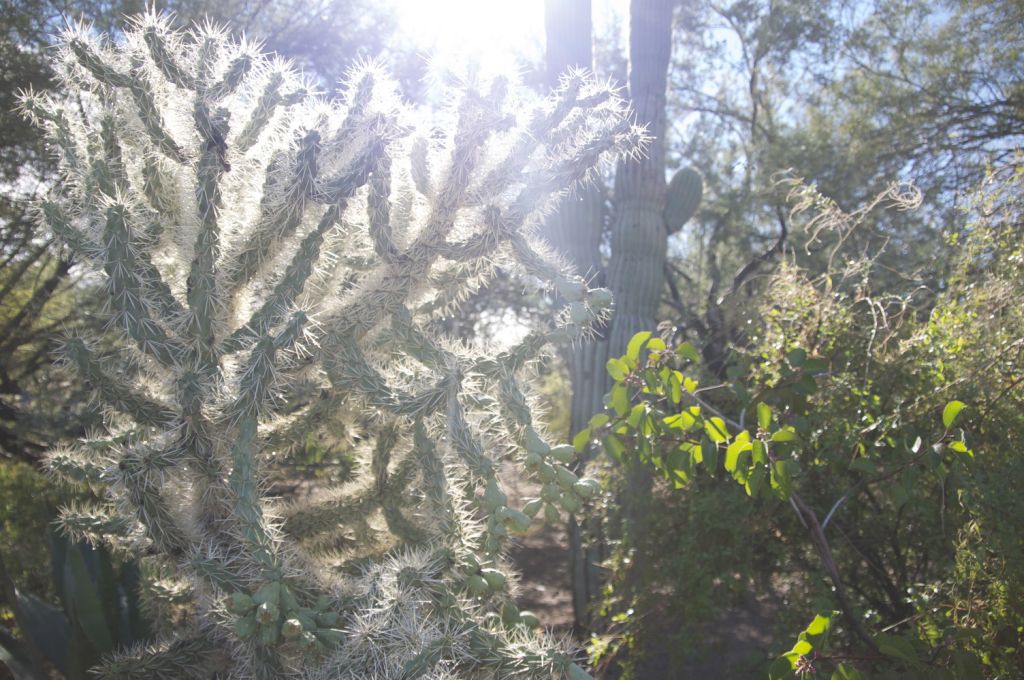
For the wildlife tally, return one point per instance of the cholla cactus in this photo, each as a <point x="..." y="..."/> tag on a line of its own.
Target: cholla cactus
<point x="271" y="257"/>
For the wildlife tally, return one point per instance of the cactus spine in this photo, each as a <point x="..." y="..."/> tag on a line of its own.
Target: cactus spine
<point x="273" y="260"/>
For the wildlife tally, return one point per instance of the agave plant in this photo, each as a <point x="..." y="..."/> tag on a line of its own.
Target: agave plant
<point x="275" y="260"/>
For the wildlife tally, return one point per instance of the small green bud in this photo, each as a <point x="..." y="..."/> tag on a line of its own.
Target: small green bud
<point x="563" y="453"/>
<point x="495" y="579"/>
<point x="308" y="618"/>
<point x="570" y="503"/>
<point x="288" y="601"/>
<point x="535" y="443"/>
<point x="477" y="585"/>
<point x="269" y="592"/>
<point x="571" y="290"/>
<point x="328" y="619"/>
<point x="494" y="497"/>
<point x="579" y="313"/>
<point x="550" y="492"/>
<point x="245" y="627"/>
<point x="240" y="603"/>
<point x="546" y="473"/>
<point x="566" y="477"/>
<point x="270" y="634"/>
<point x="551" y="513"/>
<point x="533" y="459"/>
<point x="516" y="521"/>
<point x="529" y="619"/>
<point x="532" y="507"/>
<point x="600" y="298"/>
<point x="509" y="614"/>
<point x="587" y="488"/>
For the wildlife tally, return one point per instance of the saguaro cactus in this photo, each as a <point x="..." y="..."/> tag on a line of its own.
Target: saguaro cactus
<point x="270" y="257"/>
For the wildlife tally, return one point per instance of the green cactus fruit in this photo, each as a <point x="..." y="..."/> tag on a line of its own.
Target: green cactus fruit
<point x="509" y="614"/>
<point x="307" y="641"/>
<point x="535" y="443"/>
<point x="570" y="503"/>
<point x="309" y="618"/>
<point x="327" y="619"/>
<point x="240" y="603"/>
<point x="571" y="290"/>
<point x="600" y="298"/>
<point x="683" y="198"/>
<point x="245" y="627"/>
<point x="268" y="593"/>
<point x="546" y="473"/>
<point x="587" y="488"/>
<point x="550" y="492"/>
<point x="532" y="507"/>
<point x="533" y="459"/>
<point x="551" y="513"/>
<point x="565" y="477"/>
<point x="477" y="585"/>
<point x="270" y="634"/>
<point x="516" y="521"/>
<point x="563" y="453"/>
<point x="288" y="602"/>
<point x="579" y="313"/>
<point x="494" y="497"/>
<point x="529" y="619"/>
<point x="495" y="579"/>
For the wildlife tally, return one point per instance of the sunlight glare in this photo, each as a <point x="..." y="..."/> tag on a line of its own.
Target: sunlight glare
<point x="457" y="32"/>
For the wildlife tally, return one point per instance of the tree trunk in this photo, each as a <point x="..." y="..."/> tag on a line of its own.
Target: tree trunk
<point x="575" y="230"/>
<point x="639" y="235"/>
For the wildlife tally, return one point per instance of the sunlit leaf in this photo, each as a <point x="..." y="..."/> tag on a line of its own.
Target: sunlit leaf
<point x="636" y="344"/>
<point x="951" y="411"/>
<point x="617" y="369"/>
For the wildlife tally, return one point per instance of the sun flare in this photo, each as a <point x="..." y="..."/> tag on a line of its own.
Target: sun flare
<point x="456" y="31"/>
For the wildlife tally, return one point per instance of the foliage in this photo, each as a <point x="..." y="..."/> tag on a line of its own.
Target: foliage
<point x="27" y="501"/>
<point x="268" y="258"/>
<point x="99" y="611"/>
<point x="844" y="410"/>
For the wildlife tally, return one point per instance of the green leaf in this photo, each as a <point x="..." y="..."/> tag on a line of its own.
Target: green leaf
<point x="675" y="387"/>
<point x="864" y="466"/>
<point x="797" y="356"/>
<point x="709" y="454"/>
<point x="636" y="415"/>
<point x="898" y="647"/>
<point x="613" y="447"/>
<point x="715" y="427"/>
<point x="802" y="647"/>
<point x="617" y="369"/>
<point x="782" y="483"/>
<point x="580" y="441"/>
<point x="599" y="420"/>
<point x="819" y="625"/>
<point x="844" y="672"/>
<point x="47" y="627"/>
<point x="84" y="601"/>
<point x="951" y="411"/>
<point x="755" y="482"/>
<point x="656" y="345"/>
<point x="764" y="416"/>
<point x="786" y="434"/>
<point x="619" y="399"/>
<point x="688" y="351"/>
<point x="732" y="453"/>
<point x="690" y="385"/>
<point x="680" y="421"/>
<point x="758" y="453"/>
<point x="636" y="344"/>
<point x="960" y="447"/>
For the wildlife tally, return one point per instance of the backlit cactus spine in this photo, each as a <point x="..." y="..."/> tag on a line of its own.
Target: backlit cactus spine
<point x="271" y="257"/>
